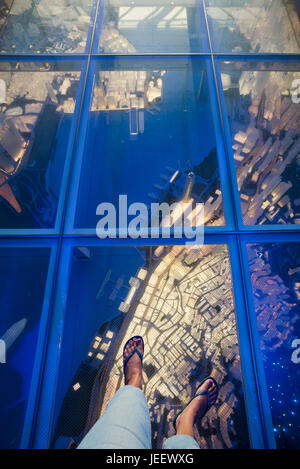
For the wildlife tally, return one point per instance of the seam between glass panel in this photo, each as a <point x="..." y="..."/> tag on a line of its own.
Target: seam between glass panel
<point x="45" y="348"/>
<point x="235" y="202"/>
<point x="60" y="236"/>
<point x="250" y="336"/>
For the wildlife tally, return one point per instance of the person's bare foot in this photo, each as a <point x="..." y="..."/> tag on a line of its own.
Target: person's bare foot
<point x="133" y="368"/>
<point x="196" y="408"/>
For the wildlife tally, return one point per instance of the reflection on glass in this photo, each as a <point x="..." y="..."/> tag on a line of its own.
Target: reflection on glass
<point x="23" y="274"/>
<point x="58" y="26"/>
<point x="255" y="26"/>
<point x="131" y="27"/>
<point x="275" y="275"/>
<point x="180" y="301"/>
<point x="264" y="115"/>
<point x="147" y="130"/>
<point x="36" y="109"/>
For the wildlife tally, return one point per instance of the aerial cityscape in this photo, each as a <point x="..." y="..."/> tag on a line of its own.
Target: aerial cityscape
<point x="30" y="163"/>
<point x="205" y="189"/>
<point x="162" y="27"/>
<point x="275" y="276"/>
<point x="181" y="101"/>
<point x="265" y="132"/>
<point x="265" y="126"/>
<point x="271" y="26"/>
<point x="63" y="26"/>
<point x="59" y="26"/>
<point x="182" y="305"/>
<point x="128" y="91"/>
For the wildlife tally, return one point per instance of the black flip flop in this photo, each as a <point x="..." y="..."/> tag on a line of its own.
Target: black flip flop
<point x="133" y="352"/>
<point x="201" y="393"/>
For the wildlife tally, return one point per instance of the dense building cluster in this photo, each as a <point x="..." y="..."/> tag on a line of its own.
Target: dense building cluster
<point x="183" y="308"/>
<point x="27" y="103"/>
<point x="275" y="276"/>
<point x="44" y="27"/>
<point x="268" y="26"/>
<point x="265" y="123"/>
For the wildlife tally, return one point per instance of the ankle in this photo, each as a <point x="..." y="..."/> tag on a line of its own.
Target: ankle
<point x="136" y="384"/>
<point x="185" y="427"/>
<point x="186" y="420"/>
<point x="135" y="380"/>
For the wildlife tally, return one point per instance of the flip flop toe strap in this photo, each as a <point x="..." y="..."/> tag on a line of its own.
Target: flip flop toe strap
<point x="130" y="355"/>
<point x="203" y="393"/>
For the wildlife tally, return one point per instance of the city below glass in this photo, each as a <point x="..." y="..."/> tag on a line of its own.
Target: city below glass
<point x="150" y="225"/>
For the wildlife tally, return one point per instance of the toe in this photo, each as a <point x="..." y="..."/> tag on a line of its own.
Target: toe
<point x="128" y="349"/>
<point x="212" y="385"/>
<point x="132" y="345"/>
<point x="208" y="385"/>
<point x="213" y="394"/>
<point x="139" y="344"/>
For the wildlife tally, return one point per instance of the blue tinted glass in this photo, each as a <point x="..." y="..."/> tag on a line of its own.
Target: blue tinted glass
<point x="148" y="127"/>
<point x="145" y="120"/>
<point x="36" y="114"/>
<point x="180" y="300"/>
<point x="59" y="26"/>
<point x="130" y="27"/>
<point x="23" y="273"/>
<point x="276" y="286"/>
<point x="263" y="108"/>
<point x="255" y="26"/>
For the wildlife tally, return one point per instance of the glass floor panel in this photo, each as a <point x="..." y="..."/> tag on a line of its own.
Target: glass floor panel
<point x="147" y="129"/>
<point x="23" y="273"/>
<point x="275" y="276"/>
<point x="181" y="301"/>
<point x="256" y="26"/>
<point x="152" y="101"/>
<point x="36" y="117"/>
<point x="152" y="27"/>
<point x="263" y="108"/>
<point x="59" y="26"/>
